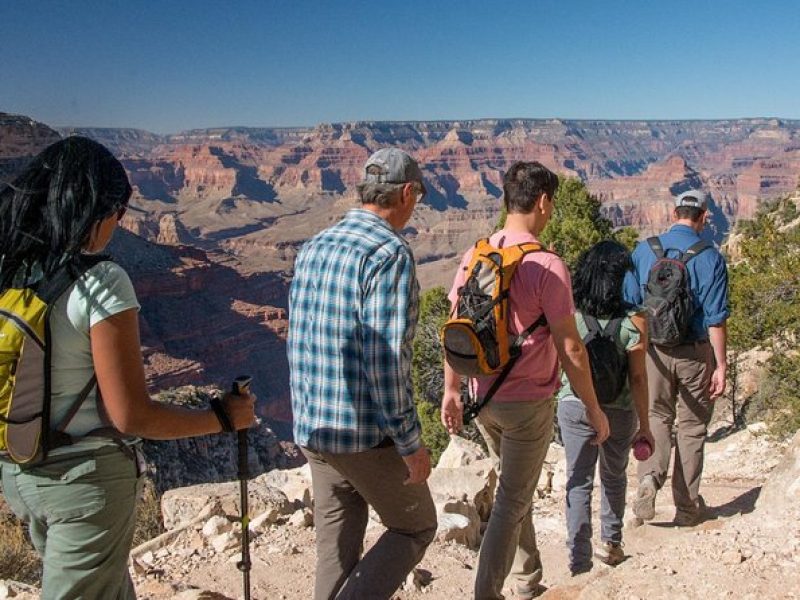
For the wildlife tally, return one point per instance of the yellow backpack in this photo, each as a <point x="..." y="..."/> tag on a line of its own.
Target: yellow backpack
<point x="25" y="382"/>
<point x="476" y="338"/>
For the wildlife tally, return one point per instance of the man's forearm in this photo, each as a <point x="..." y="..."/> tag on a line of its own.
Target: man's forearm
<point x="718" y="336"/>
<point x="452" y="380"/>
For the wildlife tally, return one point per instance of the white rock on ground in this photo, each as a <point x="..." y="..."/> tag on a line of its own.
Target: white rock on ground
<point x="264" y="520"/>
<point x="294" y="483"/>
<point x="474" y="483"/>
<point x="302" y="518"/>
<point x="216" y="525"/>
<point x="224" y="541"/>
<point x="183" y="504"/>
<point x="460" y="452"/>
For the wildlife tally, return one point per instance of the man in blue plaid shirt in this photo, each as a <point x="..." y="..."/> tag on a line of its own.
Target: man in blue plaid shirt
<point x="352" y="315"/>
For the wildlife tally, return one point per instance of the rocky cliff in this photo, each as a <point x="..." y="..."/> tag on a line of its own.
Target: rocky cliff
<point x="263" y="191"/>
<point x="21" y="139"/>
<point x="211" y="458"/>
<point x="219" y="214"/>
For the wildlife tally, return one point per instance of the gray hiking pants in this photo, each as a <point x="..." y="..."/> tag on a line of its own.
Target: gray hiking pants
<point x="582" y="457"/>
<point x="344" y="487"/>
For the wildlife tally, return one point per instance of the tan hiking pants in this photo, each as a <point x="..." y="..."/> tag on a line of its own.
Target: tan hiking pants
<point x="518" y="435"/>
<point x="678" y="380"/>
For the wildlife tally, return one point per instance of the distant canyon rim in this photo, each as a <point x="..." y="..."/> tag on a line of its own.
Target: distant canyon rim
<point x="218" y="214"/>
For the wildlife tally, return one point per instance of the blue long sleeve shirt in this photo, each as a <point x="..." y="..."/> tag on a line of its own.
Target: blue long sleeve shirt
<point x="353" y="309"/>
<point x="708" y="277"/>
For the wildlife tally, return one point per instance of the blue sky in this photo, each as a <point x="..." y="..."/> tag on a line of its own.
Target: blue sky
<point x="168" y="66"/>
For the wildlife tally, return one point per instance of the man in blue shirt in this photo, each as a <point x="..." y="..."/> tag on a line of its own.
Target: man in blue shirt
<point x="353" y="310"/>
<point x="685" y="379"/>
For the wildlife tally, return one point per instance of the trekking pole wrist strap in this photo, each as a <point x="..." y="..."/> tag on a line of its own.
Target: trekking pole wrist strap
<point x="222" y="415"/>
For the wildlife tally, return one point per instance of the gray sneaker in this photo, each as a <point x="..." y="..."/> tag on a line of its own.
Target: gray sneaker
<point x="644" y="506"/>
<point x="528" y="591"/>
<point x="610" y="553"/>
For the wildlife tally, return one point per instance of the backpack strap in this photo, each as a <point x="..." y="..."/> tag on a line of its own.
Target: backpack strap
<point x="656" y="246"/>
<point x="694" y="250"/>
<point x="592" y="325"/>
<point x="50" y="291"/>
<point x="613" y="327"/>
<point x="471" y="409"/>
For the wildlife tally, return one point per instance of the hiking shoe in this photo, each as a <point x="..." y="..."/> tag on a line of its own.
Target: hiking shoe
<point x="528" y="591"/>
<point x="689" y="517"/>
<point x="610" y="553"/>
<point x="644" y="506"/>
<point x="686" y="519"/>
<point x="580" y="569"/>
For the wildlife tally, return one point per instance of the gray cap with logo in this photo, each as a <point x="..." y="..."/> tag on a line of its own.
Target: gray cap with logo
<point x="390" y="165"/>
<point x="692" y="199"/>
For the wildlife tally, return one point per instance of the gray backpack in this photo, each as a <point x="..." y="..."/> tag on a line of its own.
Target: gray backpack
<point x="668" y="299"/>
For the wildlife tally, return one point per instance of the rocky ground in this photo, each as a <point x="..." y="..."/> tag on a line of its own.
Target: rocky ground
<point x="748" y="546"/>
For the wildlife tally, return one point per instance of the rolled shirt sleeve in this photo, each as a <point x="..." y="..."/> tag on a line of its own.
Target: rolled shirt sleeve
<point x="389" y="319"/>
<point x="714" y="294"/>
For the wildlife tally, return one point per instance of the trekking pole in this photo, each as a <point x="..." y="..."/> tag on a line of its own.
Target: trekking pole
<point x="241" y="386"/>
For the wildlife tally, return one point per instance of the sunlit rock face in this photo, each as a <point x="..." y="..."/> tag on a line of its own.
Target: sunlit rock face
<point x="218" y="215"/>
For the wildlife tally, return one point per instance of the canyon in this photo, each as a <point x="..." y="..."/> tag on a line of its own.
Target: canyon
<point x="218" y="214"/>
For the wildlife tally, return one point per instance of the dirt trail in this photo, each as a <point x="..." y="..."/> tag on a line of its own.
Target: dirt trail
<point x="737" y="552"/>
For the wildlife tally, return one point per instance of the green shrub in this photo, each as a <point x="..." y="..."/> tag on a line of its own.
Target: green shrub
<point x="148" y="515"/>
<point x="777" y="400"/>
<point x="765" y="310"/>
<point x="18" y="558"/>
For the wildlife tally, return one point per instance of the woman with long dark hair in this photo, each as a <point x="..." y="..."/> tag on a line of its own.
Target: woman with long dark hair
<point x="78" y="493"/>
<point x="602" y="311"/>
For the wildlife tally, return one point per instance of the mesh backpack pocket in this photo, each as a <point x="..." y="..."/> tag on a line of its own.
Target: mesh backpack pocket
<point x="476" y="339"/>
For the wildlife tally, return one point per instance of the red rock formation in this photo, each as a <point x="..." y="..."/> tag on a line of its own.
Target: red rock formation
<point x="231" y="207"/>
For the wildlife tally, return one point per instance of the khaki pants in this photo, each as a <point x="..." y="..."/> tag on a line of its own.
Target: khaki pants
<point x="678" y="380"/>
<point x="80" y="514"/>
<point x="518" y="435"/>
<point x="344" y="486"/>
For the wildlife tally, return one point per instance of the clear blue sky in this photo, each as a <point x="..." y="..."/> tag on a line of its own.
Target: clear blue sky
<point x="168" y="65"/>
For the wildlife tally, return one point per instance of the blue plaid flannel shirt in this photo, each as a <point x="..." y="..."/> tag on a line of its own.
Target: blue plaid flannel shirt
<point x="353" y="308"/>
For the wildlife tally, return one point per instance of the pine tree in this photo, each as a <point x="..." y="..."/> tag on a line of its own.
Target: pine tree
<point x="577" y="222"/>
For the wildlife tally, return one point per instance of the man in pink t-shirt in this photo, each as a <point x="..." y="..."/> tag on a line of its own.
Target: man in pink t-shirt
<point x="517" y="423"/>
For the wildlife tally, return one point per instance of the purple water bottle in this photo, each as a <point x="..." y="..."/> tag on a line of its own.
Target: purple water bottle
<point x="642" y="449"/>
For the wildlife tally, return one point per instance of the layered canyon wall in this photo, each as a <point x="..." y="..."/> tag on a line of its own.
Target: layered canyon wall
<point x="218" y="214"/>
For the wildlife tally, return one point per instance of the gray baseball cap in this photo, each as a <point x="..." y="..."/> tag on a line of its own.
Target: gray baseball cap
<point x="693" y="199"/>
<point x="390" y="165"/>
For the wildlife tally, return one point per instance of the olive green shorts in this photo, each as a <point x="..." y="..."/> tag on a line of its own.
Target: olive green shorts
<point x="80" y="511"/>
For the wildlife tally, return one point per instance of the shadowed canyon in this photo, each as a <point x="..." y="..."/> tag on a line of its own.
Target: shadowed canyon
<point x="219" y="214"/>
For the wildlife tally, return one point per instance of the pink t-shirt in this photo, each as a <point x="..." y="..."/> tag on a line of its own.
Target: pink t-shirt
<point x="541" y="284"/>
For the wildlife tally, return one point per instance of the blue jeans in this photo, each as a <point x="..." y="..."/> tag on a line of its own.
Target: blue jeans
<point x="582" y="456"/>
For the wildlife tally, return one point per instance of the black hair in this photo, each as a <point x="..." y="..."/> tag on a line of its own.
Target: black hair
<point x="693" y="213"/>
<point x="524" y="182"/>
<point x="598" y="280"/>
<point x="48" y="211"/>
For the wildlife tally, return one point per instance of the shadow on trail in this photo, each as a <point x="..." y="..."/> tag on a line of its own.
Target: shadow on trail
<point x="743" y="503"/>
<point x="723" y="432"/>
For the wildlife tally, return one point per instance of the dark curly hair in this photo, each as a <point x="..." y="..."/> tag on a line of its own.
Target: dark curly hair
<point x="598" y="279"/>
